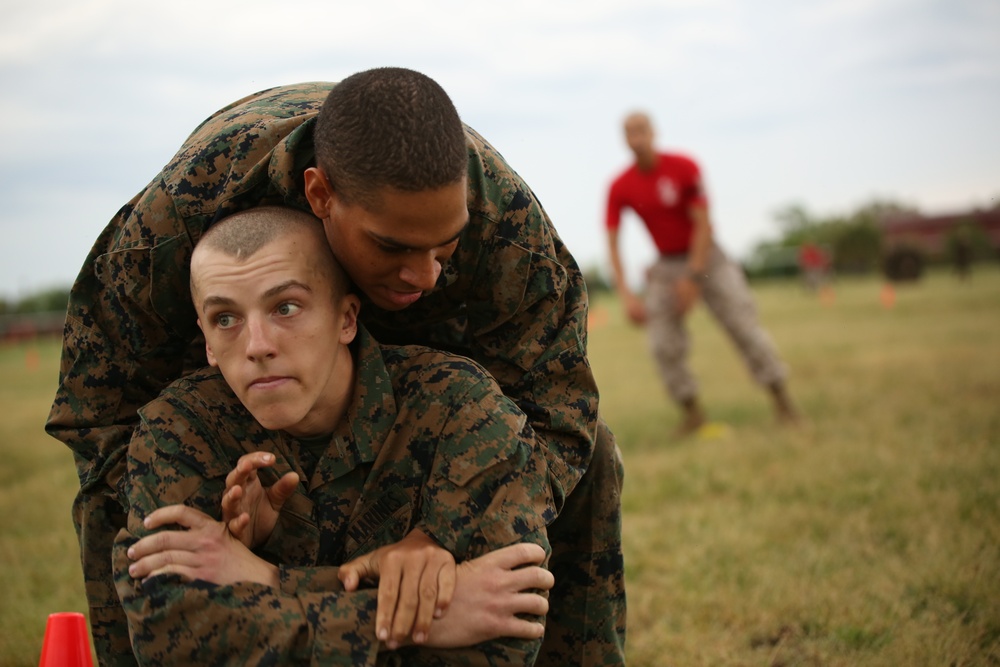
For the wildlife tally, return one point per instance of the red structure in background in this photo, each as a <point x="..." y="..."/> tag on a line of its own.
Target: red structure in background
<point x="909" y="242"/>
<point x="930" y="234"/>
<point x="28" y="326"/>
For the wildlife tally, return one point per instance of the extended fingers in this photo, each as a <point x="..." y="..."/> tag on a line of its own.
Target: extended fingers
<point x="447" y="578"/>
<point x="283" y="489"/>
<point x="160" y="561"/>
<point x="231" y="498"/>
<point x="165" y="540"/>
<point x="390" y="579"/>
<point x="238" y="526"/>
<point x="352" y="572"/>
<point x="247" y="466"/>
<point x="433" y="599"/>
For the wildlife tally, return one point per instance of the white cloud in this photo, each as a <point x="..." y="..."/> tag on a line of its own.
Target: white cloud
<point x="826" y="102"/>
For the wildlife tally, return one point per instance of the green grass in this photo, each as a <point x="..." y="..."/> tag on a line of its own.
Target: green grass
<point x="870" y="535"/>
<point x="39" y="556"/>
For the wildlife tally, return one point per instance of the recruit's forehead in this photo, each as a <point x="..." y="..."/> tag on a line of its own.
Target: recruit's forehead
<point x="294" y="256"/>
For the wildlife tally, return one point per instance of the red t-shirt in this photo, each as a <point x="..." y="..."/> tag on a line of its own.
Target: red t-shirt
<point x="661" y="197"/>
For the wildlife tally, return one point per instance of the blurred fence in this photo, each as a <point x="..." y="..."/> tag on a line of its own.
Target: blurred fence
<point x="27" y="326"/>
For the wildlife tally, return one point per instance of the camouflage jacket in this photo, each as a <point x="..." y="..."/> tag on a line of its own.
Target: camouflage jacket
<point x="428" y="440"/>
<point x="511" y="297"/>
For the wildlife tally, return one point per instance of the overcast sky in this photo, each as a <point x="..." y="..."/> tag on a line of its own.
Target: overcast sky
<point x="828" y="103"/>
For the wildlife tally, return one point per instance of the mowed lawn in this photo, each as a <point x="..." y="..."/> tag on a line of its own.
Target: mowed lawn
<point x="869" y="535"/>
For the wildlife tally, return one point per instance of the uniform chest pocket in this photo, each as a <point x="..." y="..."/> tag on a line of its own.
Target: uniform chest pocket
<point x="148" y="292"/>
<point x="382" y="521"/>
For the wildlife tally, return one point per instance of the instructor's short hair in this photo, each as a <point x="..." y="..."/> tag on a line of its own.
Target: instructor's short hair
<point x="389" y="126"/>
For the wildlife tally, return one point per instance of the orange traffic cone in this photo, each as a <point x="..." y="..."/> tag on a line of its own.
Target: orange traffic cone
<point x="888" y="296"/>
<point x="31" y="359"/>
<point x="66" y="643"/>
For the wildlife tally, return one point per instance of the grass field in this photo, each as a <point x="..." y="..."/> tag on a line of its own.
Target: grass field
<point x="870" y="535"/>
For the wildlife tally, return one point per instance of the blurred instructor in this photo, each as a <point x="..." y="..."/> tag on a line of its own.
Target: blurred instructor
<point x="665" y="191"/>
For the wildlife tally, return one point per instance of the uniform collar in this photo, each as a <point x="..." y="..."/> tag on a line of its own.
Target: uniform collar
<point x="372" y="410"/>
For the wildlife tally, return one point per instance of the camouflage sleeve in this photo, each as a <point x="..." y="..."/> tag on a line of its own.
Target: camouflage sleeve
<point x="309" y="619"/>
<point x="123" y="340"/>
<point x="487" y="487"/>
<point x="172" y="622"/>
<point x="528" y="319"/>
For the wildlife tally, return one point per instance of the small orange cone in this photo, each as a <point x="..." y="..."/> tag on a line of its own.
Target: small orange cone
<point x="827" y="296"/>
<point x="66" y="643"/>
<point x="31" y="360"/>
<point x="888" y="296"/>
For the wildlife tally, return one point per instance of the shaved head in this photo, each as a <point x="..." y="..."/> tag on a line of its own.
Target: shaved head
<point x="637" y="118"/>
<point x="243" y="234"/>
<point x="639" y="136"/>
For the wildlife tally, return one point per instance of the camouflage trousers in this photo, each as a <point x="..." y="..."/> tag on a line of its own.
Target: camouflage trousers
<point x="98" y="516"/>
<point x="586" y="620"/>
<point x="725" y="292"/>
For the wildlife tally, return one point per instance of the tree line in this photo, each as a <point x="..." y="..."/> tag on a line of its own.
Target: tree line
<point x="854" y="241"/>
<point x="46" y="301"/>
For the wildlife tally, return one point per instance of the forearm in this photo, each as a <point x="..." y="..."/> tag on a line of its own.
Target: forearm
<point x="123" y="340"/>
<point x="566" y="425"/>
<point x="618" y="271"/>
<point x="538" y="355"/>
<point x="489" y="483"/>
<point x="173" y="622"/>
<point x="701" y="240"/>
<point x="94" y="411"/>
<point x="527" y="315"/>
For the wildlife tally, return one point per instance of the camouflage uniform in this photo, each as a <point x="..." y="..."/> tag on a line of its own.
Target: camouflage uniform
<point x="428" y="441"/>
<point x="726" y="294"/>
<point x="511" y="297"/>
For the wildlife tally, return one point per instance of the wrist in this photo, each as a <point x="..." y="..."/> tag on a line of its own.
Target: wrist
<point x="697" y="276"/>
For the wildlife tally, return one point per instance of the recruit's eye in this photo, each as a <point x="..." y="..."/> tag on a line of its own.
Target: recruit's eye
<point x="224" y="320"/>
<point x="288" y="308"/>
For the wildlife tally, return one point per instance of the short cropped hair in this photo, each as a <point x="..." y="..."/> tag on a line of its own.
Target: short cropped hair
<point x="389" y="126"/>
<point x="244" y="233"/>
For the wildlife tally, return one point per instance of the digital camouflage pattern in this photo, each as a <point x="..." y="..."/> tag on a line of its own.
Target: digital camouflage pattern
<point x="511" y="297"/>
<point x="428" y="441"/>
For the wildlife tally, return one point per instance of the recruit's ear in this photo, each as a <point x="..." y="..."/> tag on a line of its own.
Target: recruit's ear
<point x="212" y="361"/>
<point x="350" y="305"/>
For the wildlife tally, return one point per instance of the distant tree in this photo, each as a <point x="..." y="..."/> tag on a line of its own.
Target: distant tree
<point x="857" y="246"/>
<point x="51" y="300"/>
<point x="854" y="239"/>
<point x="596" y="282"/>
<point x="970" y="237"/>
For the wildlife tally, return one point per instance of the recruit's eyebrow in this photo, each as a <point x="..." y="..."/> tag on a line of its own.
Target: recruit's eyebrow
<point x="287" y="285"/>
<point x="216" y="300"/>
